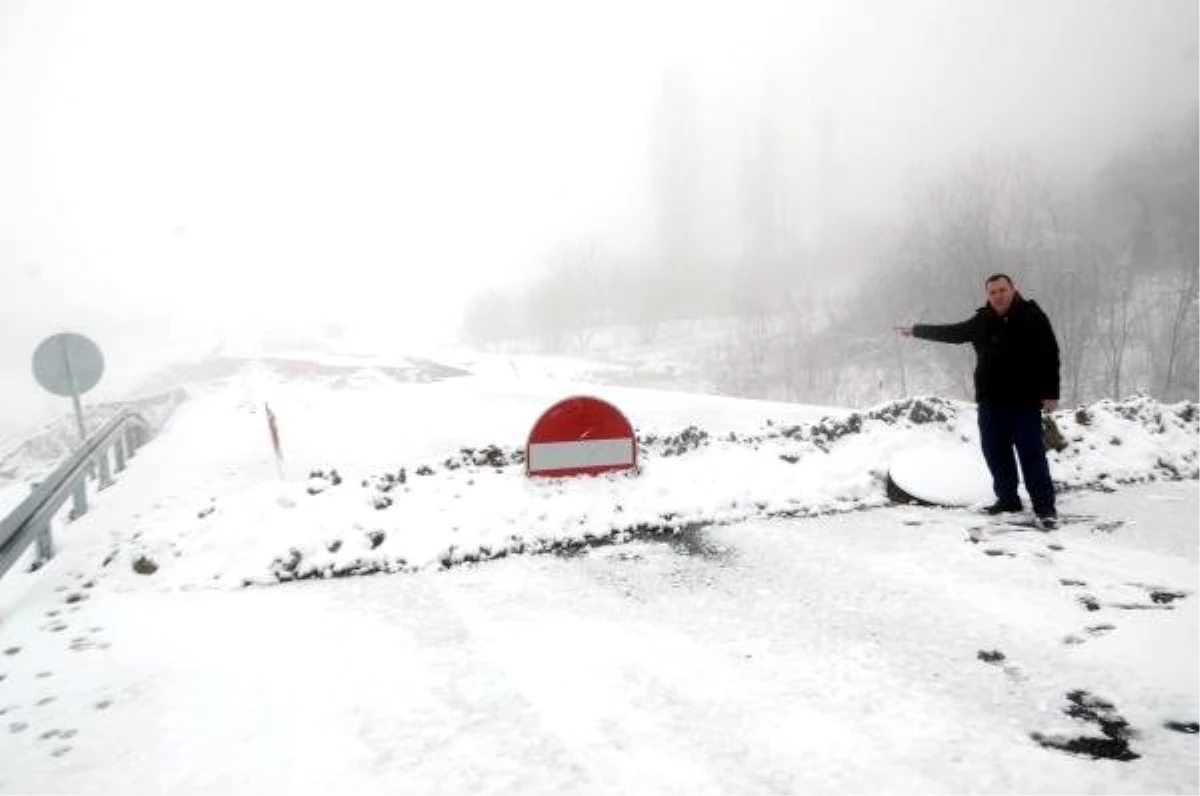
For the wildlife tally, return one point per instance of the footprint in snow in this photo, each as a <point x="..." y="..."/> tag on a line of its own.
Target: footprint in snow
<point x="1115" y="730"/>
<point x="1160" y="598"/>
<point x="1095" y="631"/>
<point x="81" y="644"/>
<point x="1165" y="597"/>
<point x="1186" y="727"/>
<point x="997" y="658"/>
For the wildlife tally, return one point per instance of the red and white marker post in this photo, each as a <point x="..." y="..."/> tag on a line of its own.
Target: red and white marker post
<point x="580" y="435"/>
<point x="273" y="428"/>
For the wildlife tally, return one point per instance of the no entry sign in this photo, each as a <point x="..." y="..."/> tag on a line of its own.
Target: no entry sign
<point x="580" y="435"/>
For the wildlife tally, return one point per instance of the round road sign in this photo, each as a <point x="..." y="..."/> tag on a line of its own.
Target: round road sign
<point x="580" y="436"/>
<point x="68" y="364"/>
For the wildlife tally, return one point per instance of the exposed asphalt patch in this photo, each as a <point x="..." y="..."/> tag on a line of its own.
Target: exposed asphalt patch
<point x="693" y="542"/>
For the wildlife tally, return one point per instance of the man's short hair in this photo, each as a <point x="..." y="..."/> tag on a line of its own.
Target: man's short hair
<point x="995" y="277"/>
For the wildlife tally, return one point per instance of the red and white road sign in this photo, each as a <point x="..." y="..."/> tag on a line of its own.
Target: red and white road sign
<point x="580" y="435"/>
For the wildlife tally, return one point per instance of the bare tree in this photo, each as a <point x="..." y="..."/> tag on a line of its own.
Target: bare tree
<point x="1180" y="199"/>
<point x="1146" y="208"/>
<point x="1116" y="317"/>
<point x="1175" y="349"/>
<point x="1068" y="276"/>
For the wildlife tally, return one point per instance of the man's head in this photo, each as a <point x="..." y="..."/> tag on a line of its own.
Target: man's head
<point x="1000" y="292"/>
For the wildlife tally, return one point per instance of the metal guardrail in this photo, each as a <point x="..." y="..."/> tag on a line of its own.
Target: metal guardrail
<point x="32" y="519"/>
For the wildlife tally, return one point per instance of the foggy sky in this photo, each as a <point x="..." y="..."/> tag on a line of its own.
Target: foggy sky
<point x="174" y="172"/>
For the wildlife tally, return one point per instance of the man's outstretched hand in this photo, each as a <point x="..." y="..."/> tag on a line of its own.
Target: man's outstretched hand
<point x="1049" y="404"/>
<point x="905" y="331"/>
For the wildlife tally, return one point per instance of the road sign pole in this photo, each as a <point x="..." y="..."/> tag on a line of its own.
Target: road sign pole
<point x="66" y="352"/>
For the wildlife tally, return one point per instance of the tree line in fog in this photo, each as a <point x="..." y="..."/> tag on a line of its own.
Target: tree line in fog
<point x="809" y="300"/>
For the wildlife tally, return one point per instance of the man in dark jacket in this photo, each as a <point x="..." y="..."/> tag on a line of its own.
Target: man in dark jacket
<point x="1016" y="377"/>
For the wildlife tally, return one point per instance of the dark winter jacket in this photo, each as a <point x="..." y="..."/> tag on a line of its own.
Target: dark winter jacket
<point x="1017" y="353"/>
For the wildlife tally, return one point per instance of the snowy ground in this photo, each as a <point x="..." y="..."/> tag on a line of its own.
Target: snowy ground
<point x="754" y="617"/>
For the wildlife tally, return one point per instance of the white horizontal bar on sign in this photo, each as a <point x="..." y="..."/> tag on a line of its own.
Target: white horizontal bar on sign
<point x="588" y="453"/>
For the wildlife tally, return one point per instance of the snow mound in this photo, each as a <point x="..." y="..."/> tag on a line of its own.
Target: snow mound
<point x="476" y="503"/>
<point x="1132" y="441"/>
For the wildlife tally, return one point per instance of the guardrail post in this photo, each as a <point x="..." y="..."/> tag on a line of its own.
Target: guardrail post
<point x="79" y="505"/>
<point x="45" y="544"/>
<point x="131" y="440"/>
<point x="105" y="476"/>
<point x="119" y="453"/>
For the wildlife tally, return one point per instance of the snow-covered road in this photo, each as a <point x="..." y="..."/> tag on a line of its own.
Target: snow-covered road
<point x="871" y="649"/>
<point x="841" y="654"/>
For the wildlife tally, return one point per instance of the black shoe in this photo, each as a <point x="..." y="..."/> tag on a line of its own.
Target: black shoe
<point x="1048" y="521"/>
<point x="1003" y="507"/>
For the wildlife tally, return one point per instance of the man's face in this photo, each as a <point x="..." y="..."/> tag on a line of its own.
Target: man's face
<point x="1000" y="295"/>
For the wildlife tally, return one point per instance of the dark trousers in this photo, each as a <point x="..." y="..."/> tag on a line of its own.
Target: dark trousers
<point x="1001" y="428"/>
